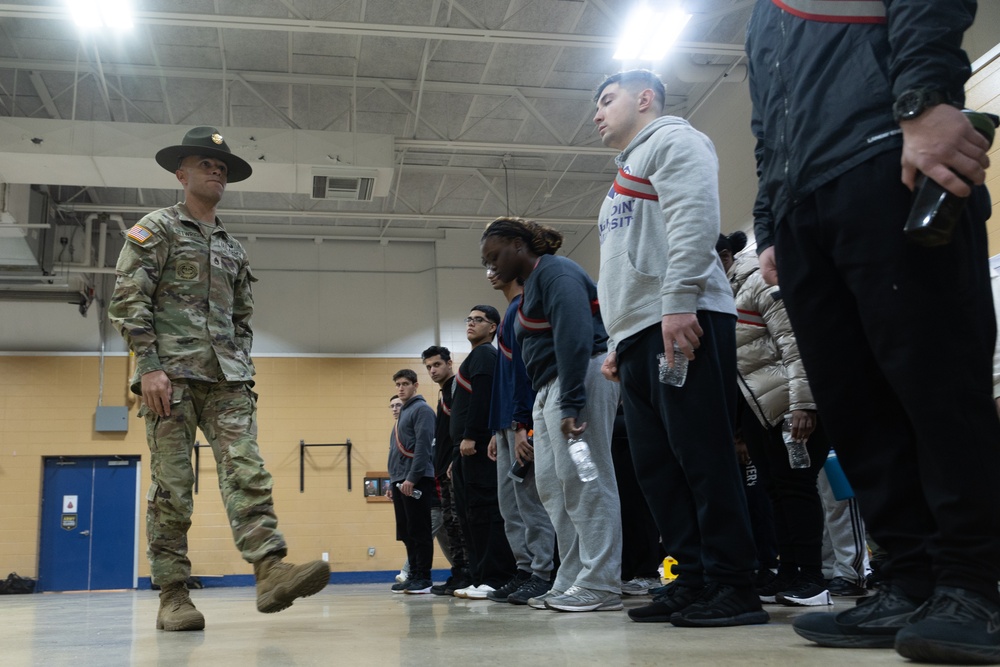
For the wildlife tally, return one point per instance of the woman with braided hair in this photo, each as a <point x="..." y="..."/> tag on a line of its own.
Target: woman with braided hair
<point x="563" y="343"/>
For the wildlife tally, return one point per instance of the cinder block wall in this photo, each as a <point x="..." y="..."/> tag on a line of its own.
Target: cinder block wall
<point x="47" y="409"/>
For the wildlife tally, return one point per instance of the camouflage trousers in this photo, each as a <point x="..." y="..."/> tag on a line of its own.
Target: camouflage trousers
<point x="456" y="550"/>
<point x="226" y="413"/>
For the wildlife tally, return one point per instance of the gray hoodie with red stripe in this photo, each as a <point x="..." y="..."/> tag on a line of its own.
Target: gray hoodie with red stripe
<point x="411" y="443"/>
<point x="658" y="227"/>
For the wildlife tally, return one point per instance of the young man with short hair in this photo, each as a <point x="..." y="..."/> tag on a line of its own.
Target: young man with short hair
<point x="491" y="563"/>
<point x="664" y="293"/>
<point x="437" y="361"/>
<point x="411" y="477"/>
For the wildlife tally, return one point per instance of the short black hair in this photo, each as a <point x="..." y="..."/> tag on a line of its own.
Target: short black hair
<point x="435" y="351"/>
<point x="491" y="313"/>
<point x="394" y="396"/>
<point x="405" y="373"/>
<point x="637" y="79"/>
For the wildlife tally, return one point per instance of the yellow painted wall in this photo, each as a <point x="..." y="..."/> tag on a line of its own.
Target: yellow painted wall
<point x="47" y="409"/>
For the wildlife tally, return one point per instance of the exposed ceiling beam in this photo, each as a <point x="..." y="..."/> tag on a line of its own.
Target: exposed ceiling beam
<point x="286" y="78"/>
<point x="277" y="24"/>
<point x="44" y="95"/>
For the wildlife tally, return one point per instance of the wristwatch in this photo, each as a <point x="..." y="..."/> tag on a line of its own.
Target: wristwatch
<point x="518" y="426"/>
<point x="913" y="102"/>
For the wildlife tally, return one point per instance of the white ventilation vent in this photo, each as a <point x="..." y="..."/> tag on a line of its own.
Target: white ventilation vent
<point x="343" y="184"/>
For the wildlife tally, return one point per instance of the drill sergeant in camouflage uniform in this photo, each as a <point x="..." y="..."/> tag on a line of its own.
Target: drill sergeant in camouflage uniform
<point x="183" y="303"/>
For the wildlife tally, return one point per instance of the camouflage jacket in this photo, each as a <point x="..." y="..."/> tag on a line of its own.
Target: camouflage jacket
<point x="183" y="301"/>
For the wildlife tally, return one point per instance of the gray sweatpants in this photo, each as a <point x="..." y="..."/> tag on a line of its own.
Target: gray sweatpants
<point x="529" y="531"/>
<point x="586" y="515"/>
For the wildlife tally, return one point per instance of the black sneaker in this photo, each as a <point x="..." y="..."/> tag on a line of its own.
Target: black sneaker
<point x="675" y="598"/>
<point x="532" y="588"/>
<point x="873" y="623"/>
<point x="400" y="587"/>
<point x="418" y="586"/>
<point x="722" y="605"/>
<point x="841" y="587"/>
<point x="782" y="581"/>
<point x="805" y="593"/>
<point x="953" y="626"/>
<point x="500" y="594"/>
<point x="450" y="586"/>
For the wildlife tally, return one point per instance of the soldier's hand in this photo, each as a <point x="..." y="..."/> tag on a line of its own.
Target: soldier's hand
<point x="156" y="392"/>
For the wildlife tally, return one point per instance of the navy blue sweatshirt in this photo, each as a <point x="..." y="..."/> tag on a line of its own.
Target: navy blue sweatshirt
<point x="559" y="328"/>
<point x="513" y="397"/>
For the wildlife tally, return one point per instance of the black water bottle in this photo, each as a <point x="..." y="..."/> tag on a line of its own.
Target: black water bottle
<point x="936" y="211"/>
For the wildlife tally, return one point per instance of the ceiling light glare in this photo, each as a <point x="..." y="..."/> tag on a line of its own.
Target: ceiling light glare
<point x="649" y="34"/>
<point x="93" y="14"/>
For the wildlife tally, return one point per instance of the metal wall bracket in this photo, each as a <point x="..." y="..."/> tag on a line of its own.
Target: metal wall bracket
<point x="302" y="461"/>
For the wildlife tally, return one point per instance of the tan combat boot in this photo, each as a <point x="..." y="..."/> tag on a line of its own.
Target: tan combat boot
<point x="177" y="612"/>
<point x="280" y="583"/>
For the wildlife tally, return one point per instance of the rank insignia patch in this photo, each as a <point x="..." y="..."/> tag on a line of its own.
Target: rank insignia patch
<point x="139" y="234"/>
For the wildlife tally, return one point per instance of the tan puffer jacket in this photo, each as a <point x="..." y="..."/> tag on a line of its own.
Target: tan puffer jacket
<point x="771" y="374"/>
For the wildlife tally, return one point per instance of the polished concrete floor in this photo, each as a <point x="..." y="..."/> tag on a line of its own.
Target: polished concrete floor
<point x="365" y="624"/>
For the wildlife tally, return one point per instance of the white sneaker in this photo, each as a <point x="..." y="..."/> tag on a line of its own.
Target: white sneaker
<point x="479" y="592"/>
<point x="402" y="576"/>
<point x="463" y="592"/>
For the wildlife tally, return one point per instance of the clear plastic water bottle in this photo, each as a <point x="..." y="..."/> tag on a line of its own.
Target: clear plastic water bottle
<point x="416" y="492"/>
<point x="675" y="376"/>
<point x="798" y="455"/>
<point x="579" y="451"/>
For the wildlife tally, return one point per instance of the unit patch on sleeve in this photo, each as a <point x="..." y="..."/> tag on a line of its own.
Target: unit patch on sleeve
<point x="139" y="234"/>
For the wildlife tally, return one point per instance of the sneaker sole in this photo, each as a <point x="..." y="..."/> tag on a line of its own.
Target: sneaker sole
<point x="746" y="618"/>
<point x="847" y="641"/>
<point x="600" y="606"/>
<point x="815" y="601"/>
<point x="283" y="595"/>
<point x="419" y="591"/>
<point x="920" y="649"/>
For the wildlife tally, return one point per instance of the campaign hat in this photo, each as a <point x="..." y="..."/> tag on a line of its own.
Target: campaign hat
<point x="206" y="141"/>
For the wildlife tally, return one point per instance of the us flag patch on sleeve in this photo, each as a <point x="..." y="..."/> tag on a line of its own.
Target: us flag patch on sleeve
<point x="139" y="234"/>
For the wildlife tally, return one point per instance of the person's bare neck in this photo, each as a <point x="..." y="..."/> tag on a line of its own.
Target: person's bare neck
<point x="484" y="341"/>
<point x="445" y="381"/>
<point x="201" y="209"/>
<point x="512" y="289"/>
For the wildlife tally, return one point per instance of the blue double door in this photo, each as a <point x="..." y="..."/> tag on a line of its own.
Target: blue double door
<point x="89" y="531"/>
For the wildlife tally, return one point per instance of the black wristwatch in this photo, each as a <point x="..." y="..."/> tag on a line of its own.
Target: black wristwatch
<point x="911" y="103"/>
<point x="518" y="426"/>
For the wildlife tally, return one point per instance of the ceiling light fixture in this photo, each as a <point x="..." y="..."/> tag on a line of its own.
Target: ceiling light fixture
<point x="649" y="33"/>
<point x="94" y="14"/>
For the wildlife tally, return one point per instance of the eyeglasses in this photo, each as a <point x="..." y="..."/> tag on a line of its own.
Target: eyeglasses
<point x="476" y="320"/>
